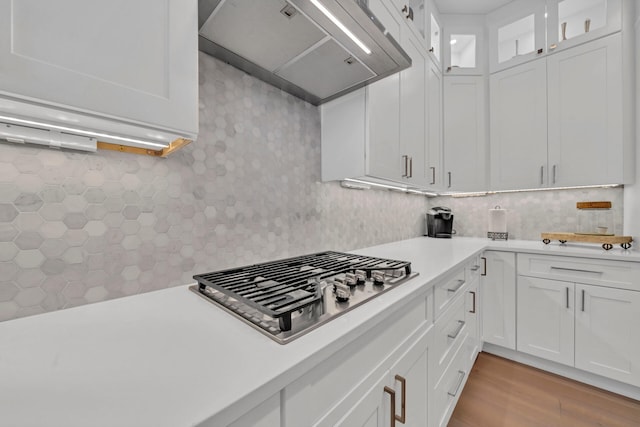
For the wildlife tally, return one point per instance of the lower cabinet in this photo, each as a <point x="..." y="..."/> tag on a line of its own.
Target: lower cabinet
<point x="401" y="394"/>
<point x="546" y="318"/>
<point x="591" y="327"/>
<point x="498" y="302"/>
<point x="607" y="338"/>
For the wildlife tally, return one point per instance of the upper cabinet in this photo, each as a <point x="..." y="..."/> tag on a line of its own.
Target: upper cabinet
<point x="464" y="47"/>
<point x="525" y="29"/>
<point x="379" y="133"/>
<point x="118" y="68"/>
<point x="517" y="33"/>
<point x="434" y="31"/>
<point x="572" y="22"/>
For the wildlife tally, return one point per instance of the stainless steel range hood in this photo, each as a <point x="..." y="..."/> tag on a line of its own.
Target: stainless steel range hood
<point x="316" y="50"/>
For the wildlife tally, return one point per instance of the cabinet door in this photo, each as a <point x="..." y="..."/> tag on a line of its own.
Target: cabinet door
<point x="472" y="308"/>
<point x="132" y="60"/>
<point x="369" y="411"/>
<point x="519" y="127"/>
<point x="546" y="318"/>
<point x="413" y="109"/>
<point x="607" y="337"/>
<point x="498" y="299"/>
<point x="464" y="133"/>
<point x="434" y="126"/>
<point x="585" y="114"/>
<point x="383" y="103"/>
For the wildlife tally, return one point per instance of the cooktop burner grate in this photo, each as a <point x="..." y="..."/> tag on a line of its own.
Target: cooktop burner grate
<point x="275" y="290"/>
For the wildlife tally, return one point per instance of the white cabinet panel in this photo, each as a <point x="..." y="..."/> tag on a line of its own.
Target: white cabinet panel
<point x="464" y="133"/>
<point x="498" y="299"/>
<point x="519" y="127"/>
<point x="606" y="336"/>
<point x="136" y="61"/>
<point x="545" y="318"/>
<point x="585" y="114"/>
<point x="434" y="130"/>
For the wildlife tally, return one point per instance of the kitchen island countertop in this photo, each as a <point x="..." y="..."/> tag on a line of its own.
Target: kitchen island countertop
<point x="170" y="358"/>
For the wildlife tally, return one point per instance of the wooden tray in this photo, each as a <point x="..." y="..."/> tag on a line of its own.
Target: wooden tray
<point x="606" y="241"/>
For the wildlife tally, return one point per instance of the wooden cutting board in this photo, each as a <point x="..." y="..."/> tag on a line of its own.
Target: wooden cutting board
<point x="607" y="241"/>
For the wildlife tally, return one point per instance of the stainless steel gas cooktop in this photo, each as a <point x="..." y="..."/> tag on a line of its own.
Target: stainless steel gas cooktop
<point x="287" y="298"/>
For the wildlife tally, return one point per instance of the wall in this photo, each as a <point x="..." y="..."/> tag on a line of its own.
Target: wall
<point x="529" y="213"/>
<point x="79" y="228"/>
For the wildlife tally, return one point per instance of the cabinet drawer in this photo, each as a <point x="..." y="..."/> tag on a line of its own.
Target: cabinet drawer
<point x="448" y="390"/>
<point x="616" y="274"/>
<point x="449" y="332"/>
<point x="365" y="358"/>
<point x="448" y="289"/>
<point x="474" y="268"/>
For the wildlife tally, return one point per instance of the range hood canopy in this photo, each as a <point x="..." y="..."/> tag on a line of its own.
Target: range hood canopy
<point x="316" y="50"/>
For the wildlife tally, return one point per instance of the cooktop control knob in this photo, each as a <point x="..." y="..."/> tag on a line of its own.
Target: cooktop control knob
<point x="342" y="292"/>
<point x="350" y="279"/>
<point x="378" y="277"/>
<point x="361" y="276"/>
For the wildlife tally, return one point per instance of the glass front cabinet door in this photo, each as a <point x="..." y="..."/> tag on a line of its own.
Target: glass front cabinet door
<point x="463" y="47"/>
<point x="517" y="34"/>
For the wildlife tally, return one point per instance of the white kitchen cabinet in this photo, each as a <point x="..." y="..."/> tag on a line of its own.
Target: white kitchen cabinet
<point x="607" y="340"/>
<point x="135" y="62"/>
<point x="404" y="384"/>
<point x="434" y="126"/>
<point x="465" y="148"/>
<point x="267" y="414"/>
<point x="604" y="17"/>
<point x="471" y="317"/>
<point x="585" y="114"/>
<point x="518" y="115"/>
<point x="545" y="321"/>
<point x="345" y="388"/>
<point x="464" y="46"/>
<point x="378" y="132"/>
<point x="434" y="31"/>
<point x="517" y="33"/>
<point x="498" y="299"/>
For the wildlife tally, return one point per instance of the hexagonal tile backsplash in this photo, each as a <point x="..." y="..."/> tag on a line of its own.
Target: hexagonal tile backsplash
<point x="79" y="228"/>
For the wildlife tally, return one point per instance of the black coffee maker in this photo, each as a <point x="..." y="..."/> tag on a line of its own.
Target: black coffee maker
<point x="439" y="222"/>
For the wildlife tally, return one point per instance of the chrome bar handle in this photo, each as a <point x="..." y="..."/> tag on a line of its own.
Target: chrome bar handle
<point x="392" y="394"/>
<point x="433" y="175"/>
<point x="541" y="175"/>
<point x="475" y="268"/>
<point x="553" y="267"/>
<point x="410" y="167"/>
<point x="583" y="300"/>
<point x="454" y="335"/>
<point x="554" y="173"/>
<point x="567" y="288"/>
<point x="474" y="302"/>
<point x="461" y="375"/>
<point x="406" y="166"/>
<point x="403" y="401"/>
<point x="460" y="284"/>
<point x="449" y="173"/>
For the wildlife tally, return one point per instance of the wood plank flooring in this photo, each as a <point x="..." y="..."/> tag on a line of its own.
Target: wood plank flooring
<point x="501" y="392"/>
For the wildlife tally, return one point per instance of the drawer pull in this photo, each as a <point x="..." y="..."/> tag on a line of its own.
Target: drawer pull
<point x="553" y="267"/>
<point x="475" y="268"/>
<point x="484" y="271"/>
<point x="455" y="334"/>
<point x="392" y="394"/>
<point x="460" y="284"/>
<point x="473" y="310"/>
<point x="454" y="393"/>
<point x="567" y="288"/>
<point x="403" y="405"/>
<point x="583" y="300"/>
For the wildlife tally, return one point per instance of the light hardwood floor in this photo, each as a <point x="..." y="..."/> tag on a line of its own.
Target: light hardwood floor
<point x="500" y="392"/>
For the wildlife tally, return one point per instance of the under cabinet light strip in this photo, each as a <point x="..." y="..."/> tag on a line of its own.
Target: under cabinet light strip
<point x="340" y="25"/>
<point x="363" y="184"/>
<point x="488" y="193"/>
<point x="84" y="132"/>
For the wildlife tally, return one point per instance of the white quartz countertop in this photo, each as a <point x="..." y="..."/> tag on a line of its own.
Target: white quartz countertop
<point x="170" y="358"/>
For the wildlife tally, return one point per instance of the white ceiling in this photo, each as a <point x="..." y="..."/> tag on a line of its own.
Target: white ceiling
<point x="469" y="6"/>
